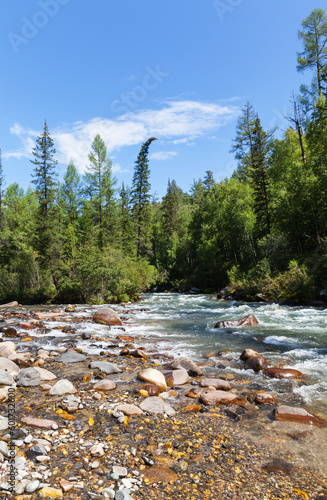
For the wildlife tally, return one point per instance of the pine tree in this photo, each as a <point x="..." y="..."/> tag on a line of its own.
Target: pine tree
<point x="99" y="188"/>
<point x="208" y="180"/>
<point x="140" y="199"/>
<point x="46" y="229"/>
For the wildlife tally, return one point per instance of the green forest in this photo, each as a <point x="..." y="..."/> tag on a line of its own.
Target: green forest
<point x="261" y="234"/>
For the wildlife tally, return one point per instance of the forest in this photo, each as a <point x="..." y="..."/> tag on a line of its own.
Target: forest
<point x="261" y="234"/>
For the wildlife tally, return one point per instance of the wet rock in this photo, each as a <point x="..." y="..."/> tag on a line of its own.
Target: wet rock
<point x="157" y="474"/>
<point x="154" y="377"/>
<point x="70" y="403"/>
<point x="71" y="356"/>
<point x="6" y="378"/>
<point x="48" y="315"/>
<point x="3" y="394"/>
<point x="188" y="364"/>
<point x="7" y="348"/>
<point x="63" y="386"/>
<point x="28" y="377"/>
<point x="70" y="308"/>
<point x="301" y="415"/>
<point x="41" y="423"/>
<point x="139" y="353"/>
<point x="264" y="398"/>
<point x="129" y="410"/>
<point x="45" y="375"/>
<point x="105" y="385"/>
<point x="67" y="329"/>
<point x="9" y="366"/>
<point x="155" y="404"/>
<point x="275" y="372"/>
<point x="177" y="377"/>
<point x="217" y="383"/>
<point x="108" y="493"/>
<point x="246" y="321"/>
<point x="221" y="397"/>
<point x="86" y="335"/>
<point x="8" y="331"/>
<point x="279" y="465"/>
<point x="105" y="367"/>
<point x="256" y="363"/>
<point x="10" y="304"/>
<point x="248" y="353"/>
<point x="107" y="316"/>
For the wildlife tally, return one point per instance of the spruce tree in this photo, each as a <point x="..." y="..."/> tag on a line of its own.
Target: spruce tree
<point x="44" y="179"/>
<point x="243" y="144"/>
<point x="71" y="193"/>
<point x="140" y="199"/>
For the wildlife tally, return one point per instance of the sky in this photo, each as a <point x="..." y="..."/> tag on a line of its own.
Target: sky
<point x="180" y="71"/>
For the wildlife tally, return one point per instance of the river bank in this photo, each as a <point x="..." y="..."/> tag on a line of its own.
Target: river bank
<point x="194" y="450"/>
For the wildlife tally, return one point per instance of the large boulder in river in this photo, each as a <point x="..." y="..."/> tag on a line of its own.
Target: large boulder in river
<point x="297" y="415"/>
<point x="248" y="353"/>
<point x="28" y="377"/>
<point x="154" y="377"/>
<point x="231" y="323"/>
<point x="217" y="383"/>
<point x="14" y="303"/>
<point x="9" y="366"/>
<point x="107" y="316"/>
<point x="275" y="372"/>
<point x="257" y="364"/>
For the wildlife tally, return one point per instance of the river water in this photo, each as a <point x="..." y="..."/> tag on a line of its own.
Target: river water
<point x="293" y="337"/>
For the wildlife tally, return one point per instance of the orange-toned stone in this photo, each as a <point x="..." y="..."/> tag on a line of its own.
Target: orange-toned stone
<point x="157" y="474"/>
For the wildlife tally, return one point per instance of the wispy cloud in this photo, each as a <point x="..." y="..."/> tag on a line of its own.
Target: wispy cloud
<point x="163" y="155"/>
<point x="177" y="122"/>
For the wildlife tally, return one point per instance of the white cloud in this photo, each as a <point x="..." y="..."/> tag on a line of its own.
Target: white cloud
<point x="163" y="155"/>
<point x="177" y="122"/>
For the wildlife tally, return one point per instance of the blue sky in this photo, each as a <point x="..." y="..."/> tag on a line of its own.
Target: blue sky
<point x="177" y="70"/>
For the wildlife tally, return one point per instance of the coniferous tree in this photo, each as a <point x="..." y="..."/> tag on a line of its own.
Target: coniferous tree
<point x="71" y="193"/>
<point x="47" y="239"/>
<point x="99" y="188"/>
<point x="140" y="199"/>
<point x="208" y="181"/>
<point x="314" y="54"/>
<point x="259" y="178"/>
<point x="126" y="222"/>
<point x="243" y="144"/>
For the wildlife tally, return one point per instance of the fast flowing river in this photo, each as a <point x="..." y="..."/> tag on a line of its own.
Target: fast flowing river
<point x="294" y="337"/>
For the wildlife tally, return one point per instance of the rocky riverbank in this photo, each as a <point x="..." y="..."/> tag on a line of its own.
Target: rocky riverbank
<point x="126" y="422"/>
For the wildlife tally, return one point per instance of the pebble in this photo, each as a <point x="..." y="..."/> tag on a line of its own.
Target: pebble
<point x="123" y="495"/>
<point x="108" y="493"/>
<point x="61" y="387"/>
<point x="32" y="486"/>
<point x="121" y="471"/>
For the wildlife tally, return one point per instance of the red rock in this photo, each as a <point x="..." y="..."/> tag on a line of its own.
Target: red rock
<point x="246" y="321"/>
<point x="187" y="364"/>
<point x="125" y="338"/>
<point x="221" y="397"/>
<point x="263" y="398"/>
<point x="151" y="389"/>
<point x="27" y="326"/>
<point x="217" y="383"/>
<point x="275" y="372"/>
<point x="41" y="423"/>
<point x="107" y="316"/>
<point x="156" y="473"/>
<point x="297" y="415"/>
